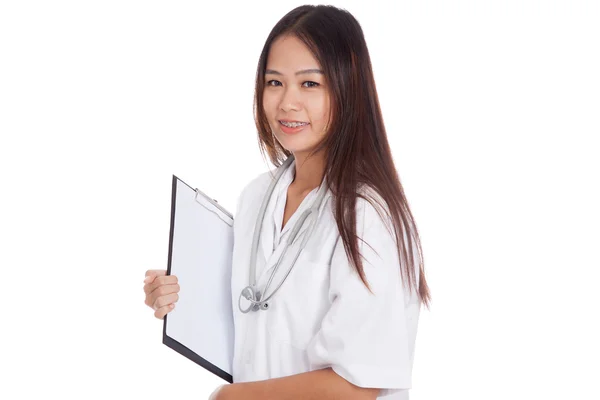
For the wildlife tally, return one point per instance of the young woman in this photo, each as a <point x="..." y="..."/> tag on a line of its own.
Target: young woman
<point x="342" y="322"/>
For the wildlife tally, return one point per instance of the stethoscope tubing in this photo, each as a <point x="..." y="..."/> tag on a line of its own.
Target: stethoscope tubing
<point x="249" y="292"/>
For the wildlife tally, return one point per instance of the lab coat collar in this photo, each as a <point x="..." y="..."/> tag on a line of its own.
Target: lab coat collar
<point x="274" y="216"/>
<point x="268" y="226"/>
<point x="273" y="212"/>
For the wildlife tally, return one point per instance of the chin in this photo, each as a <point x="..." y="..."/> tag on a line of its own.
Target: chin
<point x="296" y="143"/>
<point x="294" y="146"/>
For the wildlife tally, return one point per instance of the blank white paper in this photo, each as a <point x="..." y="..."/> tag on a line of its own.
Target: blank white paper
<point x="201" y="258"/>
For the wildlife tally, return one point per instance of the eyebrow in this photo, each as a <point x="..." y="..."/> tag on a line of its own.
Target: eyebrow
<point x="304" y="71"/>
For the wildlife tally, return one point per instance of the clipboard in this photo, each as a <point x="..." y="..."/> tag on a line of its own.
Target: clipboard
<point x="201" y="327"/>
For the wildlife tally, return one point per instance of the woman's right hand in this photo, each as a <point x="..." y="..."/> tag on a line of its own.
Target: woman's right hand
<point x="161" y="291"/>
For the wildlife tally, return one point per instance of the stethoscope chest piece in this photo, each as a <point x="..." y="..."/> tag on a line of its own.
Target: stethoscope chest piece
<point x="253" y="296"/>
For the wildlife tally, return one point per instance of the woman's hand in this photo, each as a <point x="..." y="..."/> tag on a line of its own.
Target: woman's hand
<point x="161" y="291"/>
<point x="215" y="394"/>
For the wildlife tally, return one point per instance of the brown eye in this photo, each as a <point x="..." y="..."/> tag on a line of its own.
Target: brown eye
<point x="273" y="80"/>
<point x="315" y="83"/>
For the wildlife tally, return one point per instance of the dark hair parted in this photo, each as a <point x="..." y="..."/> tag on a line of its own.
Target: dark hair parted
<point x="355" y="146"/>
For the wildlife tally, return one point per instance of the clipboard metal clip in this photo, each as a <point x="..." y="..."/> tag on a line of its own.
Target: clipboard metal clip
<point x="224" y="215"/>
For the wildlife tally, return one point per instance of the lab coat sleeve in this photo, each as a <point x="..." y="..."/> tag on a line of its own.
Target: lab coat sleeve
<point x="363" y="336"/>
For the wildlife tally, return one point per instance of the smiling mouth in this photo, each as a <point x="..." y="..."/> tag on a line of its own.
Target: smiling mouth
<point x="293" y="124"/>
<point x="293" y="129"/>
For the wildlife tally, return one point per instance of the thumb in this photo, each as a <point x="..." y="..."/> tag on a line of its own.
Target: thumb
<point x="151" y="274"/>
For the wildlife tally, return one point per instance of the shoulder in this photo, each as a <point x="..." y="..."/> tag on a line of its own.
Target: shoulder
<point x="378" y="225"/>
<point x="255" y="188"/>
<point x="257" y="183"/>
<point x="372" y="208"/>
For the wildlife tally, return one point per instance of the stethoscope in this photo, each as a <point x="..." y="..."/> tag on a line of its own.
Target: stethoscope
<point x="250" y="292"/>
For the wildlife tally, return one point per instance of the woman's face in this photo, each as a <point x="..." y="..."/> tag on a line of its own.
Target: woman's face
<point x="294" y="94"/>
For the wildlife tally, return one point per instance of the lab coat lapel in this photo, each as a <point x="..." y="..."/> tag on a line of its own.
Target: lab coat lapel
<point x="307" y="203"/>
<point x="292" y="249"/>
<point x="289" y="226"/>
<point x="267" y="237"/>
<point x="270" y="250"/>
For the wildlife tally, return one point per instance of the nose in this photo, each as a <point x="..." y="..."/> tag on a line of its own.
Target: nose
<point x="290" y="100"/>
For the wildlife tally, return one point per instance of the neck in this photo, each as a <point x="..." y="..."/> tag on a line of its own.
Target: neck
<point x="309" y="172"/>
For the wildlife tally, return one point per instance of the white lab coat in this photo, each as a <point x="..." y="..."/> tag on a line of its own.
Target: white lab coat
<point x="323" y="315"/>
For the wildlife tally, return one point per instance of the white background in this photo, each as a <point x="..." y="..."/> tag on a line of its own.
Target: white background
<point x="492" y="111"/>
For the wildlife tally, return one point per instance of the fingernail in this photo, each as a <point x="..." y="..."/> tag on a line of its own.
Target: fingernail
<point x="173" y="305"/>
<point x="148" y="279"/>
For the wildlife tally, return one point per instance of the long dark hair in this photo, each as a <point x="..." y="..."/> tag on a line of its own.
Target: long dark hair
<point x="355" y="146"/>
